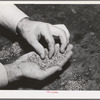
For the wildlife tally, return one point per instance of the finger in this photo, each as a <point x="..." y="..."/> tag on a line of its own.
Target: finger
<point x="64" y="41"/>
<point x="69" y="47"/>
<point x="39" y="48"/>
<point x="62" y="35"/>
<point x="63" y="27"/>
<point x="68" y="55"/>
<point x="49" y="39"/>
<point x="49" y="71"/>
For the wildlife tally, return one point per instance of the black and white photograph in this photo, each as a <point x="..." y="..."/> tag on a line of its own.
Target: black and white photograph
<point x="50" y="47"/>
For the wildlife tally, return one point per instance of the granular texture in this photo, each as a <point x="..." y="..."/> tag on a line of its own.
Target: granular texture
<point x="47" y="62"/>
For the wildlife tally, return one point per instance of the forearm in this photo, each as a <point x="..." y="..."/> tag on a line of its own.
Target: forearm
<point x="13" y="72"/>
<point x="10" y="15"/>
<point x="9" y="73"/>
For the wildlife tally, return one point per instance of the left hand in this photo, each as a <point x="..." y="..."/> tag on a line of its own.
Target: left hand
<point x="22" y="68"/>
<point x="32" y="70"/>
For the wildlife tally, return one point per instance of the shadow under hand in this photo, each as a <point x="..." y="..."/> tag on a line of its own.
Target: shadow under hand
<point x="6" y="33"/>
<point x="33" y="84"/>
<point x="26" y="83"/>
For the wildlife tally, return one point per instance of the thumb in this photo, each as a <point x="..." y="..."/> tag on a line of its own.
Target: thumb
<point x="68" y="55"/>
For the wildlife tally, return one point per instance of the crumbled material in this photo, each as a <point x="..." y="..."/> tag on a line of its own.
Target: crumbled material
<point x="46" y="63"/>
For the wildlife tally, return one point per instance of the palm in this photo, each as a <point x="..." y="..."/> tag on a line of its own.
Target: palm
<point x="32" y="70"/>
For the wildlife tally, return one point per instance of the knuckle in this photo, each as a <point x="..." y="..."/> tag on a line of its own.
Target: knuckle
<point x="41" y="25"/>
<point x="44" y="25"/>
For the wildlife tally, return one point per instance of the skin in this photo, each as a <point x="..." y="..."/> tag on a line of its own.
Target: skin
<point x="33" y="30"/>
<point x="32" y="70"/>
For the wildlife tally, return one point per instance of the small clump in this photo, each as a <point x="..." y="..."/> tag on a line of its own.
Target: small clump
<point x="46" y="63"/>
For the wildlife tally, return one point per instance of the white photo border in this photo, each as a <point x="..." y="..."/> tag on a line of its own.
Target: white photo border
<point x="51" y="94"/>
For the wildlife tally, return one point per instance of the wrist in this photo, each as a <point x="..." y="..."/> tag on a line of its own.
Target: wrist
<point x="21" y="24"/>
<point x="13" y="72"/>
<point x="3" y="76"/>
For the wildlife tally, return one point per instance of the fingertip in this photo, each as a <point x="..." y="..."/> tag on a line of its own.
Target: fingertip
<point x="62" y="49"/>
<point x="51" y="52"/>
<point x="50" y="55"/>
<point x="70" y="47"/>
<point x="43" y="56"/>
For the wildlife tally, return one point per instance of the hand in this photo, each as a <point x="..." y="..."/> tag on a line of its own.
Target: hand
<point x="32" y="31"/>
<point x="32" y="70"/>
<point x="22" y="68"/>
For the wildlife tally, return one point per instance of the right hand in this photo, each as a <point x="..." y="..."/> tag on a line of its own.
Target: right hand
<point x="33" y="30"/>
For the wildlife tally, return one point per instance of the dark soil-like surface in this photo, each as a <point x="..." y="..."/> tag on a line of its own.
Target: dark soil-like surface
<point x="82" y="71"/>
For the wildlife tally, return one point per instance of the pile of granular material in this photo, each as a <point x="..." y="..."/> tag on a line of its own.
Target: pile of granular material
<point x="47" y="62"/>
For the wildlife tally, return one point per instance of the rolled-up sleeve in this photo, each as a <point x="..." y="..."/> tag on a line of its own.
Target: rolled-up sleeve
<point x="10" y="15"/>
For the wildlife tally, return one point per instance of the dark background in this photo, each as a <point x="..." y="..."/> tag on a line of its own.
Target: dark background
<point x="82" y="72"/>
